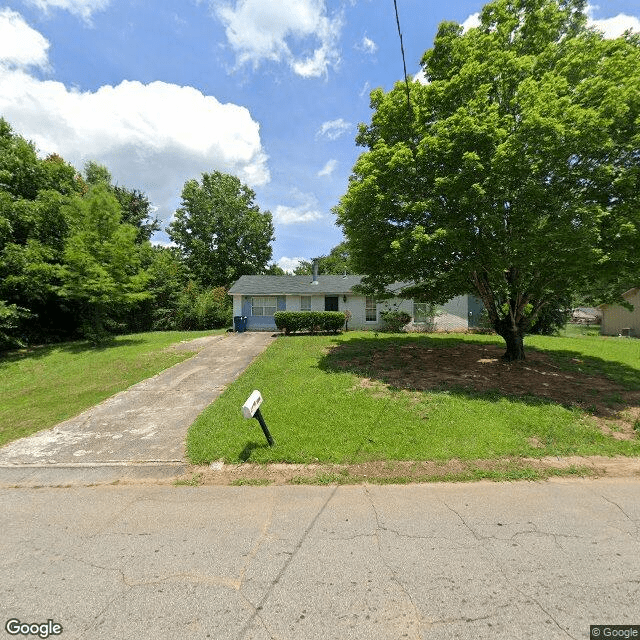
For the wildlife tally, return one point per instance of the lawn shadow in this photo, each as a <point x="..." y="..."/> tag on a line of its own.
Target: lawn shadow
<point x="249" y="448"/>
<point x="473" y="368"/>
<point x="76" y="347"/>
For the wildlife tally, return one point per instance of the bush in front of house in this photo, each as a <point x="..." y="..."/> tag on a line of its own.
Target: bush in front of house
<point x="395" y="321"/>
<point x="313" y="321"/>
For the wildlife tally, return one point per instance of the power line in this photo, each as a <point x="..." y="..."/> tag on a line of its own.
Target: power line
<point x="404" y="64"/>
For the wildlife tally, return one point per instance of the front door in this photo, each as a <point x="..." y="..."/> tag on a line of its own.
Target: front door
<point x="331" y="303"/>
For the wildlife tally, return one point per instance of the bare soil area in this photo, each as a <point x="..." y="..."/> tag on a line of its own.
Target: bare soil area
<point x="407" y="471"/>
<point x="477" y="368"/>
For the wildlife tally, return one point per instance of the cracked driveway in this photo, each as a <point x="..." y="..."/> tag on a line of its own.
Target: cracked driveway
<point x="139" y="432"/>
<point x="432" y="562"/>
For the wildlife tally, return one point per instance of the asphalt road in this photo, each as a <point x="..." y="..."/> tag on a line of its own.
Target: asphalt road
<point x="477" y="561"/>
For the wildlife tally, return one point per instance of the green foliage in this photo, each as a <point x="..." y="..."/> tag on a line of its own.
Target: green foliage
<point x="395" y="321"/>
<point x="553" y="318"/>
<point x="10" y="316"/>
<point x="220" y="232"/>
<point x="336" y="263"/>
<point x="274" y="270"/>
<point x="167" y="279"/>
<point x="313" y="321"/>
<point x="75" y="256"/>
<point x="33" y="230"/>
<point x="515" y="175"/>
<point x="199" y="309"/>
<point x="101" y="261"/>
<point x="135" y="206"/>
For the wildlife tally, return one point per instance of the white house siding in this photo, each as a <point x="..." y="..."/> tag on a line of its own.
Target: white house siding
<point x="452" y="315"/>
<point x="615" y="319"/>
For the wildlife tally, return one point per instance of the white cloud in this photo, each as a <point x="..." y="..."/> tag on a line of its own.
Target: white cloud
<point x="420" y="77"/>
<point x="289" y="264"/>
<point x="305" y="211"/>
<point x="615" y="26"/>
<point x="20" y="45"/>
<point x="260" y="30"/>
<point x="82" y="8"/>
<point x="152" y="137"/>
<point x="367" y="45"/>
<point x="366" y="90"/>
<point x="471" y="22"/>
<point x="611" y="27"/>
<point x="328" y="168"/>
<point x="295" y="215"/>
<point x="333" y="129"/>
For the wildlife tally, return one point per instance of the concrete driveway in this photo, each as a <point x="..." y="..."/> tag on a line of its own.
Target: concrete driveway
<point x="140" y="432"/>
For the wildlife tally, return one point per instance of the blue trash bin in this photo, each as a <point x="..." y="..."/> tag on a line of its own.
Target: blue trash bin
<point x="243" y="323"/>
<point x="237" y="323"/>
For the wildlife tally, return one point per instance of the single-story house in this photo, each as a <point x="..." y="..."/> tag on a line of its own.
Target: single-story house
<point x="259" y="297"/>
<point x="618" y="321"/>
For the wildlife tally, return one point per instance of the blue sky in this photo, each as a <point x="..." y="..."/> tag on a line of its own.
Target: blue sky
<point x="269" y="90"/>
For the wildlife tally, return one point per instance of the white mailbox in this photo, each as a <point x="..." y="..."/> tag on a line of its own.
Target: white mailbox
<point x="252" y="404"/>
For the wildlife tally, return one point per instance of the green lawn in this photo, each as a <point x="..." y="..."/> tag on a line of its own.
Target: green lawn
<point x="319" y="410"/>
<point x="42" y="386"/>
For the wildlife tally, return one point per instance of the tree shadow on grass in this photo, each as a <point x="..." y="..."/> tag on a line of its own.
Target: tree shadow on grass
<point x="77" y="347"/>
<point x="473" y="368"/>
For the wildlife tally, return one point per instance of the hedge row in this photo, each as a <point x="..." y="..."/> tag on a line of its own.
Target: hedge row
<point x="291" y="321"/>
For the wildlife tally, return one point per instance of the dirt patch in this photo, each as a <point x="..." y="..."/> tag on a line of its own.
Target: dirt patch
<point x="478" y="368"/>
<point x="408" y="471"/>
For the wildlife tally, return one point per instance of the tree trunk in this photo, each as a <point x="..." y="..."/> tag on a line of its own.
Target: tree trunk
<point x="515" y="344"/>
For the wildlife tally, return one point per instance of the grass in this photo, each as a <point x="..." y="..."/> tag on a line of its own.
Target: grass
<point x="615" y="358"/>
<point x="319" y="413"/>
<point x="42" y="386"/>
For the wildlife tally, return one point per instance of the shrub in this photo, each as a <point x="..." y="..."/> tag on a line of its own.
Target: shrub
<point x="203" y="309"/>
<point x="10" y="317"/>
<point x="292" y="321"/>
<point x="395" y="320"/>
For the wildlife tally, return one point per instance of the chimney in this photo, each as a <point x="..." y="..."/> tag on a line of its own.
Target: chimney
<point x="314" y="269"/>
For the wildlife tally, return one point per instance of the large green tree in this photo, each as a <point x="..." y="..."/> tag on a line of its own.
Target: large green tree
<point x="512" y="173"/>
<point x="136" y="208"/>
<point x="220" y="232"/>
<point x="33" y="229"/>
<point x="102" y="269"/>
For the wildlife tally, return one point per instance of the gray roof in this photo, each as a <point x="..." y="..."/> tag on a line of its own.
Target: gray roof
<point x="300" y="285"/>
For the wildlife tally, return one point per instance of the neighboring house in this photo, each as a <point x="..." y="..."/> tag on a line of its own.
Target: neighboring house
<point x="586" y="315"/>
<point x="259" y="297"/>
<point x="617" y="321"/>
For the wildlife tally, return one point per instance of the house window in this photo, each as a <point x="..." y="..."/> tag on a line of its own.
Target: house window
<point x="263" y="306"/>
<point x="305" y="303"/>
<point x="331" y="303"/>
<point x="370" y="311"/>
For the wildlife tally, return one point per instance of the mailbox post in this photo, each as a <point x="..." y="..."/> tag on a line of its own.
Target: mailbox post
<point x="251" y="409"/>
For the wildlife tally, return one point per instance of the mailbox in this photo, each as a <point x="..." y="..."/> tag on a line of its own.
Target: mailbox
<point x="251" y="409"/>
<point x="251" y="405"/>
